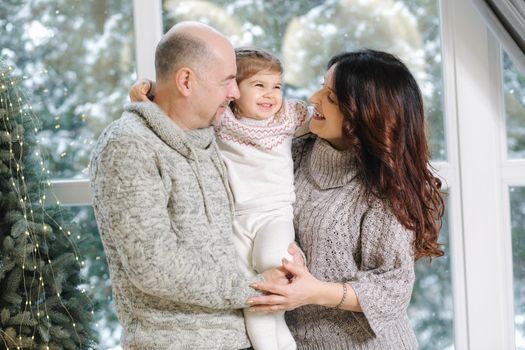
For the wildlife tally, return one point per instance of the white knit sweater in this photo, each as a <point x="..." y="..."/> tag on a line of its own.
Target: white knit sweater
<point x="258" y="156"/>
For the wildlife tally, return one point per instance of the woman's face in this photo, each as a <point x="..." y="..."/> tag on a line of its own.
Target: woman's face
<point x="327" y="122"/>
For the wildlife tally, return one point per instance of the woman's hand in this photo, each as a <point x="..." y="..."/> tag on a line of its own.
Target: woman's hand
<point x="303" y="289"/>
<point x="276" y="275"/>
<point x="139" y="90"/>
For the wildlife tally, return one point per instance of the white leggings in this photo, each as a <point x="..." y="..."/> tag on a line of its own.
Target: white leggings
<point x="262" y="240"/>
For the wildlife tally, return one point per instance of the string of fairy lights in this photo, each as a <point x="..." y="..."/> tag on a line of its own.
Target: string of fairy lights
<point x="19" y="109"/>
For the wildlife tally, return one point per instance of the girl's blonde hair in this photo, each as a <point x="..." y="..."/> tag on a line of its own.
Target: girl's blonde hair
<point x="252" y="60"/>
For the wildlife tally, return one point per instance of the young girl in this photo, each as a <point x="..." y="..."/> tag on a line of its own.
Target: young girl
<point x="255" y="137"/>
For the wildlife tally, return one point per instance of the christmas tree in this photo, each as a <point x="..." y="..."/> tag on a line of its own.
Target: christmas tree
<point x="41" y="304"/>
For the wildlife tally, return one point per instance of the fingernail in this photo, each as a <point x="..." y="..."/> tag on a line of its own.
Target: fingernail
<point x="254" y="285"/>
<point x="249" y="301"/>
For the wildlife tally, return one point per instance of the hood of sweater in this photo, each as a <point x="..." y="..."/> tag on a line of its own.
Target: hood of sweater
<point x="329" y="167"/>
<point x="185" y="142"/>
<point x="192" y="144"/>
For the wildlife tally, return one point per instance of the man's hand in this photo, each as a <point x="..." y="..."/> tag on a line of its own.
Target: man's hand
<point x="276" y="276"/>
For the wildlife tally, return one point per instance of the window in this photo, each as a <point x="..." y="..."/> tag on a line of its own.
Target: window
<point x="431" y="310"/>
<point x="517" y="208"/>
<point x="514" y="102"/>
<point x="96" y="277"/>
<point x="77" y="59"/>
<point x="305" y="34"/>
<point x="514" y="90"/>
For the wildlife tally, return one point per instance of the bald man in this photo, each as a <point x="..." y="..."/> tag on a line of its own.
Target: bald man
<point x="164" y="208"/>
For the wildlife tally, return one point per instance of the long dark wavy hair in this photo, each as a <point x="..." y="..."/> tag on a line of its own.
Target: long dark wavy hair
<point x="384" y="122"/>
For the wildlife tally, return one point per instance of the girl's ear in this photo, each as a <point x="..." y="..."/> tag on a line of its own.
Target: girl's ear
<point x="184" y="80"/>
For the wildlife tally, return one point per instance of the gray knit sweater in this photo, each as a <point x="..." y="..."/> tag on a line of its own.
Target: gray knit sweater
<point x="164" y="212"/>
<point x="346" y="238"/>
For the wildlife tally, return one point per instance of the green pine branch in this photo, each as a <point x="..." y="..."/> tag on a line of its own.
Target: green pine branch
<point x="41" y="305"/>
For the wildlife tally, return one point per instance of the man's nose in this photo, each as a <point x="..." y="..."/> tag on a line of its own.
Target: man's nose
<point x="234" y="91"/>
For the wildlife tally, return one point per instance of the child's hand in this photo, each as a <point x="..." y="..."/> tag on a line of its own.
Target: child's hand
<point x="139" y="90"/>
<point x="297" y="254"/>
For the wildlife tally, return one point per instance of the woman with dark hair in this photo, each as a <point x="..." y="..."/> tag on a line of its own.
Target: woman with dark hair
<point x="367" y="207"/>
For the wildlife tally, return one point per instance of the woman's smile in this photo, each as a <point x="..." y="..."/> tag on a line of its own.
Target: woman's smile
<point x="317" y="115"/>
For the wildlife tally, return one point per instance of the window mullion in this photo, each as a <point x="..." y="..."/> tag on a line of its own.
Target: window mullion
<point x="74" y="192"/>
<point x="147" y="16"/>
<point x="513" y="172"/>
<point x="461" y="338"/>
<point x="489" y="311"/>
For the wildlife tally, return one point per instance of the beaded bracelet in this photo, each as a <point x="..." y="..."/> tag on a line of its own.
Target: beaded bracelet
<point x="343" y="298"/>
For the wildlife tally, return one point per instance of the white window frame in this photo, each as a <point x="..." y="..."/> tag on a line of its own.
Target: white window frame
<point x="147" y="20"/>
<point x="479" y="207"/>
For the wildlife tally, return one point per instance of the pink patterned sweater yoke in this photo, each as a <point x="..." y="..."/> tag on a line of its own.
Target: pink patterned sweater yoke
<point x="263" y="134"/>
<point x="258" y="156"/>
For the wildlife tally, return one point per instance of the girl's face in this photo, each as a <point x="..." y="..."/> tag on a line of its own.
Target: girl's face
<point x="327" y="122"/>
<point x="261" y="95"/>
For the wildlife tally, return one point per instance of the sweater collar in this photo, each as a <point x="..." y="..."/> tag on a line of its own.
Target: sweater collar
<point x="186" y="142"/>
<point x="263" y="134"/>
<point x="329" y="167"/>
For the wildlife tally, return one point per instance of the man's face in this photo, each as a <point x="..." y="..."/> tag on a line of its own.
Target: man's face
<point x="216" y="87"/>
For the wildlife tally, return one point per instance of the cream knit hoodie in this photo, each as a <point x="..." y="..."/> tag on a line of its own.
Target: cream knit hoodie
<point x="164" y="212"/>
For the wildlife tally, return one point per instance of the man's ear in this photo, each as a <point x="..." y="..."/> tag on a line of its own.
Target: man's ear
<point x="184" y="80"/>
